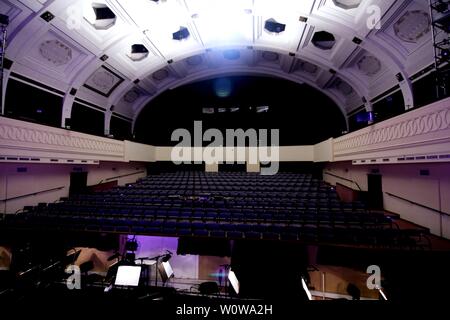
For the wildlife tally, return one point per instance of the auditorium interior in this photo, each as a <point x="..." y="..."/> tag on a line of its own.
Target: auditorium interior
<point x="192" y="151"/>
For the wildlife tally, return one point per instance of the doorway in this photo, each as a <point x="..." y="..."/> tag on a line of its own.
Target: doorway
<point x="375" y="191"/>
<point x="78" y="183"/>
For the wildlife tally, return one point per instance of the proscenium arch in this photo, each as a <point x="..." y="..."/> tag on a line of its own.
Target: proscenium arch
<point x="224" y="72"/>
<point x="323" y="65"/>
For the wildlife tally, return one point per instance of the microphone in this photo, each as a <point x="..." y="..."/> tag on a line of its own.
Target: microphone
<point x="114" y="256"/>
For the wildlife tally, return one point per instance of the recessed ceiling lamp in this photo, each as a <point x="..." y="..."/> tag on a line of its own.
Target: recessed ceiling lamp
<point x="138" y="52"/>
<point x="347" y="4"/>
<point x="323" y="40"/>
<point x="100" y="16"/>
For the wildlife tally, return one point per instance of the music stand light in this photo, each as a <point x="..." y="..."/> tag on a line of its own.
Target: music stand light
<point x="305" y="287"/>
<point x="128" y="276"/>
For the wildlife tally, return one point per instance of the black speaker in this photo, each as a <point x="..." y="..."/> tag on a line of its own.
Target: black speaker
<point x="273" y="26"/>
<point x="303" y="19"/>
<point x="4" y="19"/>
<point x="209" y="287"/>
<point x="7" y="64"/>
<point x="357" y="40"/>
<point x="47" y="16"/>
<point x="68" y="123"/>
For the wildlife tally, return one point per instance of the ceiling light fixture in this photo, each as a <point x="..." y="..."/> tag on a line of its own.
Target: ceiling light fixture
<point x="138" y="52"/>
<point x="100" y="16"/>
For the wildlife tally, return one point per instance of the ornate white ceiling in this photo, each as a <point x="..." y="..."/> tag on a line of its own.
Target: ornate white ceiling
<point x="353" y="58"/>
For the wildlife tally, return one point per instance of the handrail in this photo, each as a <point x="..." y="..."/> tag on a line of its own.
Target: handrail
<point x="121" y="176"/>
<point x="417" y="204"/>
<point x="32" y="194"/>
<point x="349" y="180"/>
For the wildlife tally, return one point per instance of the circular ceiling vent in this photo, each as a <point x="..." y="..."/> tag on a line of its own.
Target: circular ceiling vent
<point x="270" y="56"/>
<point x="131" y="96"/>
<point x="323" y="40"/>
<point x="160" y="75"/>
<point x="412" y="26"/>
<point x="194" y="60"/>
<point x="347" y="4"/>
<point x="55" y="52"/>
<point x="231" y="54"/>
<point x="103" y="79"/>
<point x="369" y="65"/>
<point x="309" y="67"/>
<point x="343" y="87"/>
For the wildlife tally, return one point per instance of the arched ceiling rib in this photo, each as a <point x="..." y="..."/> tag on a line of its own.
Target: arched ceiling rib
<point x="359" y="61"/>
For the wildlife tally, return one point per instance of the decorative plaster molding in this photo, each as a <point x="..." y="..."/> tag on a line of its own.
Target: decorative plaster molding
<point x="428" y="126"/>
<point x="19" y="138"/>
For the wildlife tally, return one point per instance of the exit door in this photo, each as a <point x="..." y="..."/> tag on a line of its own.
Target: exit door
<point x="375" y="191"/>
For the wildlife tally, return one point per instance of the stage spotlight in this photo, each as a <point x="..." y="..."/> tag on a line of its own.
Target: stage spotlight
<point x="273" y="26"/>
<point x="234" y="281"/>
<point x="131" y="245"/>
<point x="128" y="276"/>
<point x="138" y="52"/>
<point x="208" y="110"/>
<point x="262" y="109"/>
<point x="181" y="34"/>
<point x="223" y="87"/>
<point x="445" y="54"/>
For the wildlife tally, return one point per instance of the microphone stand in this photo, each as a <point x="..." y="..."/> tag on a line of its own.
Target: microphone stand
<point x="156" y="258"/>
<point x="226" y="268"/>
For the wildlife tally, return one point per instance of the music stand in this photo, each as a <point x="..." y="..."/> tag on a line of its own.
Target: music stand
<point x="234" y="281"/>
<point x="146" y="263"/>
<point x="165" y="270"/>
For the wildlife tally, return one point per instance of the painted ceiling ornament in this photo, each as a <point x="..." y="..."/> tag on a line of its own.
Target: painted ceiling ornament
<point x="369" y="65"/>
<point x="55" y="52"/>
<point x="412" y="26"/>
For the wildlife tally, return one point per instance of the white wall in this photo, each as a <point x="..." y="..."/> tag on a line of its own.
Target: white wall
<point x="404" y="180"/>
<point x="139" y="152"/>
<point x="40" y="177"/>
<point x="323" y="152"/>
<point x="286" y="153"/>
